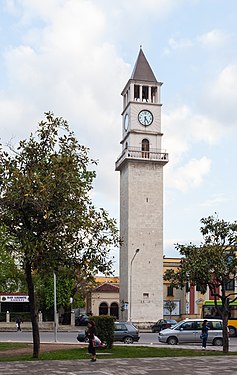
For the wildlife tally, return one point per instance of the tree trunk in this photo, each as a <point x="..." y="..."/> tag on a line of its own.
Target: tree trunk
<point x="225" y="333"/>
<point x="225" y="315"/>
<point x="33" y="313"/>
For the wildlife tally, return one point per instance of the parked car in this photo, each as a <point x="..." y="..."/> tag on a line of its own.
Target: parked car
<point x="123" y="331"/>
<point x="82" y="320"/>
<point x="162" y="324"/>
<point x="189" y="330"/>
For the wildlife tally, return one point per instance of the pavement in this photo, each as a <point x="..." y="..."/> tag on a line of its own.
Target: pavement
<point x="144" y="366"/>
<point x="204" y="365"/>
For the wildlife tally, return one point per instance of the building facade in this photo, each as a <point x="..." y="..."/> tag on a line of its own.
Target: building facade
<point x="141" y="196"/>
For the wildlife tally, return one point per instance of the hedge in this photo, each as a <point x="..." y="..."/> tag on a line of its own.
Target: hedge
<point x="105" y="329"/>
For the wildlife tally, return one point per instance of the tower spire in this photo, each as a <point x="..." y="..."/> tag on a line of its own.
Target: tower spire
<point x="142" y="70"/>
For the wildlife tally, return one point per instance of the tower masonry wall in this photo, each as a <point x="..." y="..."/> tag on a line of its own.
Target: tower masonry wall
<point x="141" y="197"/>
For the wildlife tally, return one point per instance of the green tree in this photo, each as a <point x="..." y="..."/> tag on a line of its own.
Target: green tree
<point x="46" y="206"/>
<point x="70" y="284"/>
<point x="12" y="277"/>
<point x="211" y="264"/>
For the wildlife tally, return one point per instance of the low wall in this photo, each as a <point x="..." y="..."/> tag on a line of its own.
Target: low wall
<point x="26" y="326"/>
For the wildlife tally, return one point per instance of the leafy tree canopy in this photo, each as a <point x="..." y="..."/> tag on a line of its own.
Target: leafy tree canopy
<point x="45" y="204"/>
<point x="12" y="277"/>
<point x="211" y="264"/>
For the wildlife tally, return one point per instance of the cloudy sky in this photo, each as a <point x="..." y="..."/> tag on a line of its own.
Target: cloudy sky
<point x="74" y="57"/>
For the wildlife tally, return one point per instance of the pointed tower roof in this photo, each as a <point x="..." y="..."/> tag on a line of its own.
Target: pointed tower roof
<point x="142" y="70"/>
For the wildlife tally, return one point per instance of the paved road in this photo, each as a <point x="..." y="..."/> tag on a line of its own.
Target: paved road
<point x="70" y="337"/>
<point x="146" y="366"/>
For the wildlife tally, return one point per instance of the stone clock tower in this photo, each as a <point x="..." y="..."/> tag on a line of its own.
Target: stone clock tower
<point x="141" y="197"/>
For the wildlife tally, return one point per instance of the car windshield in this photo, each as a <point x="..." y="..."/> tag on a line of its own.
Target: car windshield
<point x="176" y="325"/>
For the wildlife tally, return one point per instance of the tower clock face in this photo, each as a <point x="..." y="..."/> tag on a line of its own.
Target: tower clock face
<point x="145" y="117"/>
<point x="126" y="122"/>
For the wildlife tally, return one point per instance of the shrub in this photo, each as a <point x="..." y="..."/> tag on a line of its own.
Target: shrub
<point x="105" y="329"/>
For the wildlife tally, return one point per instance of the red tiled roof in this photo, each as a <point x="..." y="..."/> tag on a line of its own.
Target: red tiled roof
<point x="107" y="288"/>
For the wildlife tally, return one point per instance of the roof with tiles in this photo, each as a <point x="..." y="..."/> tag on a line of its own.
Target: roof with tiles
<point x="107" y="288"/>
<point x="142" y="70"/>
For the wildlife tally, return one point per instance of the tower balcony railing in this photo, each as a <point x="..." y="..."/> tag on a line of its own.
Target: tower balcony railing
<point x="137" y="153"/>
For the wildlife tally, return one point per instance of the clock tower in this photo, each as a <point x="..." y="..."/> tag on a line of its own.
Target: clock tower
<point x="141" y="197"/>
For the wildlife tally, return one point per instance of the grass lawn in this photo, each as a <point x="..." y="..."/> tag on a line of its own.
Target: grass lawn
<point x="115" y="352"/>
<point x="11" y="346"/>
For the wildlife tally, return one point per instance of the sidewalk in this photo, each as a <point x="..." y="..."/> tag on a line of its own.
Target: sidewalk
<point x="144" y="366"/>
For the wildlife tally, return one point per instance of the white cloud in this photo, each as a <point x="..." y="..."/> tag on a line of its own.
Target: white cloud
<point x="215" y="200"/>
<point x="157" y="8"/>
<point x="176" y="43"/>
<point x="214" y="38"/>
<point x="220" y="96"/>
<point x="226" y="84"/>
<point x="190" y="175"/>
<point x="184" y="128"/>
<point x="67" y="66"/>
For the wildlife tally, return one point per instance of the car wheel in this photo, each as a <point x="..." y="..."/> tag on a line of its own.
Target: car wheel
<point x="218" y="342"/>
<point x="232" y="331"/>
<point x="128" y="340"/>
<point x="172" y="340"/>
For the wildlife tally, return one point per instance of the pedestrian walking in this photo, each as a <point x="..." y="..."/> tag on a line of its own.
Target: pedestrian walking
<point x="90" y="334"/>
<point x="204" y="335"/>
<point x="18" y="323"/>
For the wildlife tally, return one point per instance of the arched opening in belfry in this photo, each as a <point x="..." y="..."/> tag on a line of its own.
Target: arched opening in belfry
<point x="145" y="148"/>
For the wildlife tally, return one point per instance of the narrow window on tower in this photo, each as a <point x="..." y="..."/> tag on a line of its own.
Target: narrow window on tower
<point x="145" y="295"/>
<point x="137" y="93"/>
<point x="145" y="93"/>
<point x="145" y="148"/>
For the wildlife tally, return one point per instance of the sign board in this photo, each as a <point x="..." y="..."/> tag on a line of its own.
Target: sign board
<point x="125" y="305"/>
<point x="14" y="298"/>
<point x="176" y="310"/>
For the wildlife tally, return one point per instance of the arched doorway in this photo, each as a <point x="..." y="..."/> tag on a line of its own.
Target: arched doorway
<point x="103" y="308"/>
<point x="114" y="309"/>
<point x="145" y="148"/>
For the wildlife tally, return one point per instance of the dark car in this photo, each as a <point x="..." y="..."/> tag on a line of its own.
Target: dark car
<point x="82" y="320"/>
<point x="163" y="324"/>
<point x="123" y="331"/>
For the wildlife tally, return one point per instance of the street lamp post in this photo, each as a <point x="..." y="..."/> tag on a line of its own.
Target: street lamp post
<point x="55" y="308"/>
<point x="130" y="294"/>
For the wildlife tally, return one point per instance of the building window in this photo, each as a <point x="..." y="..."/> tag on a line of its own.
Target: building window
<point x="103" y="309"/>
<point x="170" y="291"/>
<point x="187" y="286"/>
<point x="198" y="287"/>
<point x="230" y="285"/>
<point x="145" y="295"/>
<point x="114" y="309"/>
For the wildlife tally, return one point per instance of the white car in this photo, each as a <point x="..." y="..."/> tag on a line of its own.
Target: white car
<point x="189" y="331"/>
